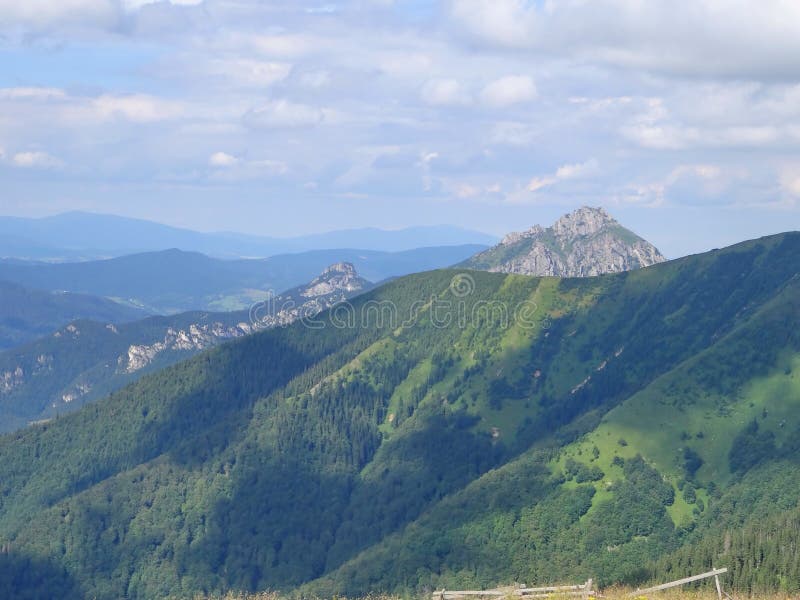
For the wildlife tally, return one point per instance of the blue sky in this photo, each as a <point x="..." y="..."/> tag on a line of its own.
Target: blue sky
<point x="282" y="118"/>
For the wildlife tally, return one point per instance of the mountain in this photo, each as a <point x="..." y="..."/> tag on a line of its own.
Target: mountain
<point x="26" y="314"/>
<point x="583" y="243"/>
<point x="86" y="360"/>
<point x="451" y="429"/>
<point x="175" y="281"/>
<point x="82" y="235"/>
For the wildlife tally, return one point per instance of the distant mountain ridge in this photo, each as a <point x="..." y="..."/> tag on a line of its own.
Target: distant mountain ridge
<point x="86" y="359"/>
<point x="88" y="236"/>
<point x="28" y="313"/>
<point x="174" y="281"/>
<point x="584" y="243"/>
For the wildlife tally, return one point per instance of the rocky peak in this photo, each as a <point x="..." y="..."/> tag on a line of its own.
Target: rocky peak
<point x="341" y="277"/>
<point x="583" y="221"/>
<point x="585" y="242"/>
<point x="344" y="268"/>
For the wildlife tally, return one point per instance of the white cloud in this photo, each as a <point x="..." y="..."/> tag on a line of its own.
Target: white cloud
<point x="32" y="93"/>
<point x="249" y="72"/>
<point x="578" y="170"/>
<point x="287" y="45"/>
<point x="228" y="167"/>
<point x="137" y="4"/>
<point x="283" y="114"/>
<point x="790" y="182"/>
<point x="706" y="37"/>
<point x="583" y="170"/>
<point x="37" y="160"/>
<point x="222" y="159"/>
<point x="513" y="89"/>
<point x="503" y="22"/>
<point x="104" y="14"/>
<point x="139" y="108"/>
<point x="444" y="92"/>
<point x="38" y="13"/>
<point x="513" y="133"/>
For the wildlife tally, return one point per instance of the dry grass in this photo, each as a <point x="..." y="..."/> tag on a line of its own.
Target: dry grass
<point x="608" y="594"/>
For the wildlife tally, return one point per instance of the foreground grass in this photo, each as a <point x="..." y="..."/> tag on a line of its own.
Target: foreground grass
<point x="610" y="594"/>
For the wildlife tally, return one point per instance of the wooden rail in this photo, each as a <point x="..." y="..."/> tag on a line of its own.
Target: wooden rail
<point x="665" y="586"/>
<point x="583" y="590"/>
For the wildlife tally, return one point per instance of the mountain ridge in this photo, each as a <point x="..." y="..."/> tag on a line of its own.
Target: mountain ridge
<point x="172" y="281"/>
<point x="86" y="360"/>
<point x="27" y="313"/>
<point x="96" y="235"/>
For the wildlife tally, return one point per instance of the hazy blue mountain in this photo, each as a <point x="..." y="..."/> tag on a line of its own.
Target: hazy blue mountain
<point x="173" y="281"/>
<point x="26" y="314"/>
<point x="86" y="360"/>
<point x="89" y="235"/>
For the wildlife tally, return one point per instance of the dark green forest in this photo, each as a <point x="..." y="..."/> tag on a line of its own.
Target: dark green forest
<point x="448" y="429"/>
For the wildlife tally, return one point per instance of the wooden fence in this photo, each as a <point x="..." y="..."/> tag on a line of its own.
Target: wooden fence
<point x="715" y="573"/>
<point x="583" y="590"/>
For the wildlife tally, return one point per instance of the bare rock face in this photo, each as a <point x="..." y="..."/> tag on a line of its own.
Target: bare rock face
<point x="196" y="338"/>
<point x="584" y="243"/>
<point x="339" y="277"/>
<point x="335" y="284"/>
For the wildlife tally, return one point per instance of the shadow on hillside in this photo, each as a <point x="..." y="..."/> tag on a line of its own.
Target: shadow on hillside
<point x="287" y="522"/>
<point x="27" y="578"/>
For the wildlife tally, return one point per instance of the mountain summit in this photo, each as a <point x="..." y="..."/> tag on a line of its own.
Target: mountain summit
<point x="583" y="243"/>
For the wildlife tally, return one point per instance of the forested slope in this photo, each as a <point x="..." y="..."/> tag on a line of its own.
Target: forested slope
<point x="450" y="428"/>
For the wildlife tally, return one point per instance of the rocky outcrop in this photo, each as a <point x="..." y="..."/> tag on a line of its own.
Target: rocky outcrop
<point x="11" y="379"/>
<point x="584" y="243"/>
<point x="337" y="283"/>
<point x="339" y="277"/>
<point x="197" y="337"/>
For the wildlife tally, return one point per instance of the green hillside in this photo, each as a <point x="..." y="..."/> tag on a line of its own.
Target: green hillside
<point x="448" y="429"/>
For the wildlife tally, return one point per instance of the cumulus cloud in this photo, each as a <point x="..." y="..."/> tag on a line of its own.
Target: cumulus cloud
<point x="708" y="37"/>
<point x="137" y="4"/>
<point x="513" y="89"/>
<point x="249" y="72"/>
<point x="606" y="73"/>
<point x="513" y="133"/>
<point x="790" y="182"/>
<point x="32" y="93"/>
<point x="444" y="92"/>
<point x="228" y="167"/>
<point x="566" y="172"/>
<point x="139" y="108"/>
<point x="280" y="114"/>
<point x="222" y="159"/>
<point x="35" y="160"/>
<point x="101" y="14"/>
<point x="503" y="22"/>
<point x="38" y="13"/>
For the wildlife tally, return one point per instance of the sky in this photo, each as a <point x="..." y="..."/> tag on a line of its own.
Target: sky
<point x="283" y="118"/>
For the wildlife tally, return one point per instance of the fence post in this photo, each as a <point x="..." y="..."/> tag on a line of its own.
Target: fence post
<point x="719" y="587"/>
<point x="588" y="589"/>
